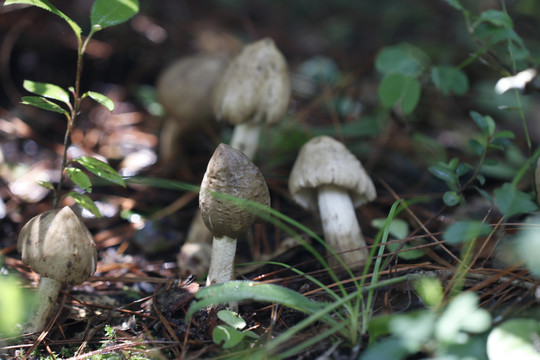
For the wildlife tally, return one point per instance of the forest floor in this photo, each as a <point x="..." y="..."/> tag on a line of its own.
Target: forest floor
<point x="134" y="306"/>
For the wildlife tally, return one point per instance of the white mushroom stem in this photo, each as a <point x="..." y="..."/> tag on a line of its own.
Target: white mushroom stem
<point x="222" y="260"/>
<point x="245" y="138"/>
<point x="46" y="296"/>
<point x="340" y="225"/>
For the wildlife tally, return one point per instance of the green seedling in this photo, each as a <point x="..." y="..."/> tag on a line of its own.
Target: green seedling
<point x="50" y="97"/>
<point x="229" y="334"/>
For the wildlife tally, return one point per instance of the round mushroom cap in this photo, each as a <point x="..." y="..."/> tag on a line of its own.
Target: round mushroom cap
<point x="326" y="161"/>
<point x="184" y="88"/>
<point x="57" y="245"/>
<point x="255" y="86"/>
<point x="230" y="172"/>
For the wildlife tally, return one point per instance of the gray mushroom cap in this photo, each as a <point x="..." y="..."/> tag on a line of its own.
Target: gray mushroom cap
<point x="255" y="86"/>
<point x="57" y="245"/>
<point x="231" y="172"/>
<point x="326" y="161"/>
<point x="184" y="88"/>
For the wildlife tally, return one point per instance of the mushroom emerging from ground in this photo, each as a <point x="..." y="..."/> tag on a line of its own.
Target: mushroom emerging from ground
<point x="57" y="245"/>
<point x="229" y="172"/>
<point x="254" y="89"/>
<point x="328" y="177"/>
<point x="184" y="90"/>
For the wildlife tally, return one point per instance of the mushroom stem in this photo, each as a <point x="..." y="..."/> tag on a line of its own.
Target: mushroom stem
<point x="222" y="260"/>
<point x="340" y="226"/>
<point x="245" y="138"/>
<point x="47" y="293"/>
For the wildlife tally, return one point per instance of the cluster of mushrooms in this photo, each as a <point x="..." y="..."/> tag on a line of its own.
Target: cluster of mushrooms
<point x="250" y="91"/>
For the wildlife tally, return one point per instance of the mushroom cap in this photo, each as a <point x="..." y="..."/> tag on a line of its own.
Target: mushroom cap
<point x="57" y="245"/>
<point x="184" y="88"/>
<point x="231" y="172"/>
<point x="326" y="161"/>
<point x="255" y="86"/>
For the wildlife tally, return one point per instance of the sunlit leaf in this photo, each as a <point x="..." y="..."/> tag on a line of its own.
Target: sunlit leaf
<point x="430" y="290"/>
<point x="50" y="91"/>
<point x="528" y="245"/>
<point x="107" y="13"/>
<point x="514" y="339"/>
<point x="462" y="314"/>
<point x="42" y="103"/>
<point x="236" y="291"/>
<point x="45" y="184"/>
<point x="232" y="319"/>
<point x="100" y="98"/>
<point x="85" y="202"/>
<point x="101" y="169"/>
<point x="80" y="178"/>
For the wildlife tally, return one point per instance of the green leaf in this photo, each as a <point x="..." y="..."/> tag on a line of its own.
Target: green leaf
<point x="43" y="103"/>
<point x="44" y="4"/>
<point x="80" y="178"/>
<point x="455" y="4"/>
<point x="430" y="290"/>
<point x="100" y="98"/>
<point x="485" y="123"/>
<point x="476" y="147"/>
<point x="449" y="79"/>
<point x="442" y="173"/>
<point x="50" y="91"/>
<point x="422" y="321"/>
<point x="399" y="229"/>
<point x="45" y="184"/>
<point x="85" y="202"/>
<point x="497" y="18"/>
<point x="451" y="198"/>
<point x="226" y="336"/>
<point x="464" y="231"/>
<point x="528" y="245"/>
<point x="512" y="201"/>
<point x="396" y="88"/>
<point x="232" y="319"/>
<point x="404" y="59"/>
<point x="107" y="13"/>
<point x="236" y="291"/>
<point x="514" y="339"/>
<point x="462" y="314"/>
<point x="101" y="169"/>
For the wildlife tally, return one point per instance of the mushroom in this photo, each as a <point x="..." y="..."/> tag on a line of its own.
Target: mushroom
<point x="229" y="172"/>
<point x="184" y="90"/>
<point x="328" y="177"/>
<point x="254" y="89"/>
<point x="57" y="245"/>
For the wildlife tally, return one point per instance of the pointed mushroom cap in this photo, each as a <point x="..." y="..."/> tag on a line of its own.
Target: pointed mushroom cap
<point x="255" y="86"/>
<point x="57" y="245"/>
<point x="184" y="88"/>
<point x="326" y="161"/>
<point x="230" y="172"/>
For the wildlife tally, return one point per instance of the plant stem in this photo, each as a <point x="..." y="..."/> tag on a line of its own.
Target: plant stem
<point x="72" y="117"/>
